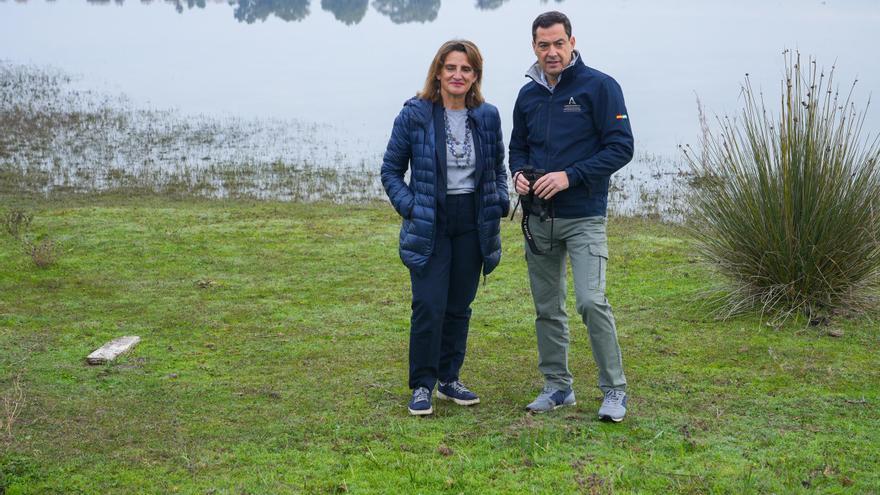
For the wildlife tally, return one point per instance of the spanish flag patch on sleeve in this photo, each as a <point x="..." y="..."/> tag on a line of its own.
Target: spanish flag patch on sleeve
<point x="622" y="117"/>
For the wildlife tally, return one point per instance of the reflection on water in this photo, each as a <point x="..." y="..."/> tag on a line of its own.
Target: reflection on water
<point x="58" y="139"/>
<point x="250" y="11"/>
<point x="403" y="11"/>
<point x="332" y="109"/>
<point x="349" y="12"/>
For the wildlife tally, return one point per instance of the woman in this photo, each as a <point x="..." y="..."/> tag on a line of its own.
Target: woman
<point x="450" y="139"/>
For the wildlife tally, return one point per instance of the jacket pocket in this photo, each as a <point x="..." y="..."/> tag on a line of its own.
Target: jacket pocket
<point x="409" y="209"/>
<point x="405" y="228"/>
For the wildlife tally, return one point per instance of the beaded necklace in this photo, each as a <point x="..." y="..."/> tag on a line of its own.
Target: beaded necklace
<point x="463" y="154"/>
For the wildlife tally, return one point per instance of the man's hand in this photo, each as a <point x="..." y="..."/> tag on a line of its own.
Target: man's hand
<point x="520" y="184"/>
<point x="551" y="183"/>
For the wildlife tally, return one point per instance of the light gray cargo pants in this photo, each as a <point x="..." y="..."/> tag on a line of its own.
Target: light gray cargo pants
<point x="585" y="241"/>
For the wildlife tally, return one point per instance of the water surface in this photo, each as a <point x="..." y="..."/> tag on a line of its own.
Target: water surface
<point x="344" y="67"/>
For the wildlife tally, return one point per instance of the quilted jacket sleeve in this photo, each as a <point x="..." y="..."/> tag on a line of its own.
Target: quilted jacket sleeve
<point x="394" y="165"/>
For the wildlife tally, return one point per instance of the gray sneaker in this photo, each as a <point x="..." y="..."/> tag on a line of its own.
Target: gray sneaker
<point x="613" y="406"/>
<point x="550" y="399"/>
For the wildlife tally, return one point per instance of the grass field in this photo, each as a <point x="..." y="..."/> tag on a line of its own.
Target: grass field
<point x="274" y="360"/>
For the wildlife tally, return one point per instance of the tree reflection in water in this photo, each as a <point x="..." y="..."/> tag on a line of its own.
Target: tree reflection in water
<point x="250" y="11"/>
<point x="490" y="4"/>
<point x="350" y="12"/>
<point x="347" y="11"/>
<point x="403" y="11"/>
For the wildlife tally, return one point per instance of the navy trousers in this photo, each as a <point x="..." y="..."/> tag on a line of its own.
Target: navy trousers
<point x="442" y="294"/>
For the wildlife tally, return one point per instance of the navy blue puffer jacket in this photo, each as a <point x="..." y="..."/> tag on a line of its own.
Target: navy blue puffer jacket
<point x="418" y="142"/>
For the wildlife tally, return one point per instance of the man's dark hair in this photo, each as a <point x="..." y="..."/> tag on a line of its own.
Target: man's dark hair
<point x="548" y="19"/>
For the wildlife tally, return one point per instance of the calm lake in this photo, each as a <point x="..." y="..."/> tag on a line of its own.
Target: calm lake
<point x="322" y="80"/>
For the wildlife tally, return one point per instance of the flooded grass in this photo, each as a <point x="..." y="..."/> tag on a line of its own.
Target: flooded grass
<point x="651" y="186"/>
<point x="60" y="139"/>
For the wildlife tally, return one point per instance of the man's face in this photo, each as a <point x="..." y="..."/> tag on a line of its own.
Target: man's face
<point x="554" y="49"/>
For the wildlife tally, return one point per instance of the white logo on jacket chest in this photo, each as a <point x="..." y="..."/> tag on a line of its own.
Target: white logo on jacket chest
<point x="572" y="106"/>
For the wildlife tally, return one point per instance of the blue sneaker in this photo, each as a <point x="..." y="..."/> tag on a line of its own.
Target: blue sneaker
<point x="458" y="393"/>
<point x="613" y="406"/>
<point x="420" y="404"/>
<point x="550" y="399"/>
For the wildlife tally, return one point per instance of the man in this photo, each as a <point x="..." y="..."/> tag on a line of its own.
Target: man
<point x="570" y="121"/>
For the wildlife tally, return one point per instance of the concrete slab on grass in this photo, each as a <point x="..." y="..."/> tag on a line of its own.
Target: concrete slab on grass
<point x="110" y="350"/>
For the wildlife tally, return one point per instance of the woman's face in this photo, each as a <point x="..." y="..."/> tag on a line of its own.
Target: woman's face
<point x="456" y="76"/>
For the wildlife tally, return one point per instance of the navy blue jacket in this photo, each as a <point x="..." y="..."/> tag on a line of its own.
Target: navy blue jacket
<point x="582" y="128"/>
<point x="418" y="142"/>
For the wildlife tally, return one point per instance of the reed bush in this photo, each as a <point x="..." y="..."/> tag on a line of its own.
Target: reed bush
<point x="16" y="222"/>
<point x="43" y="253"/>
<point x="788" y="208"/>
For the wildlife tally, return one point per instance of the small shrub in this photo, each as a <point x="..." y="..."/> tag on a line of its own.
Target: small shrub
<point x="788" y="208"/>
<point x="44" y="253"/>
<point x="16" y="222"/>
<point x="13" y="402"/>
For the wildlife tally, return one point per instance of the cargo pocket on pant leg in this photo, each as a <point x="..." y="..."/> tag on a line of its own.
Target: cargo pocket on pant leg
<point x="599" y="252"/>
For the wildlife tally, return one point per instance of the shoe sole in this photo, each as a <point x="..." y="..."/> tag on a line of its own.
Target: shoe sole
<point x="460" y="402"/>
<point x="609" y="418"/>
<point x="542" y="411"/>
<point x="421" y="412"/>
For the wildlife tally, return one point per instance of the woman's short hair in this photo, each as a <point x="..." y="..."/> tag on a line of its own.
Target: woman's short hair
<point x="431" y="90"/>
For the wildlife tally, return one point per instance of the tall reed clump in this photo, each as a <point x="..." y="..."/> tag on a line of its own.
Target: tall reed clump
<point x="789" y="206"/>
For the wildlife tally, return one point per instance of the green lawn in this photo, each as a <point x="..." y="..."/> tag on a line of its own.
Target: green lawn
<point x="274" y="360"/>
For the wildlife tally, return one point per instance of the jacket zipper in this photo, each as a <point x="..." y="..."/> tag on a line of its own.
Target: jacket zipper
<point x="478" y="191"/>
<point x="547" y="139"/>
